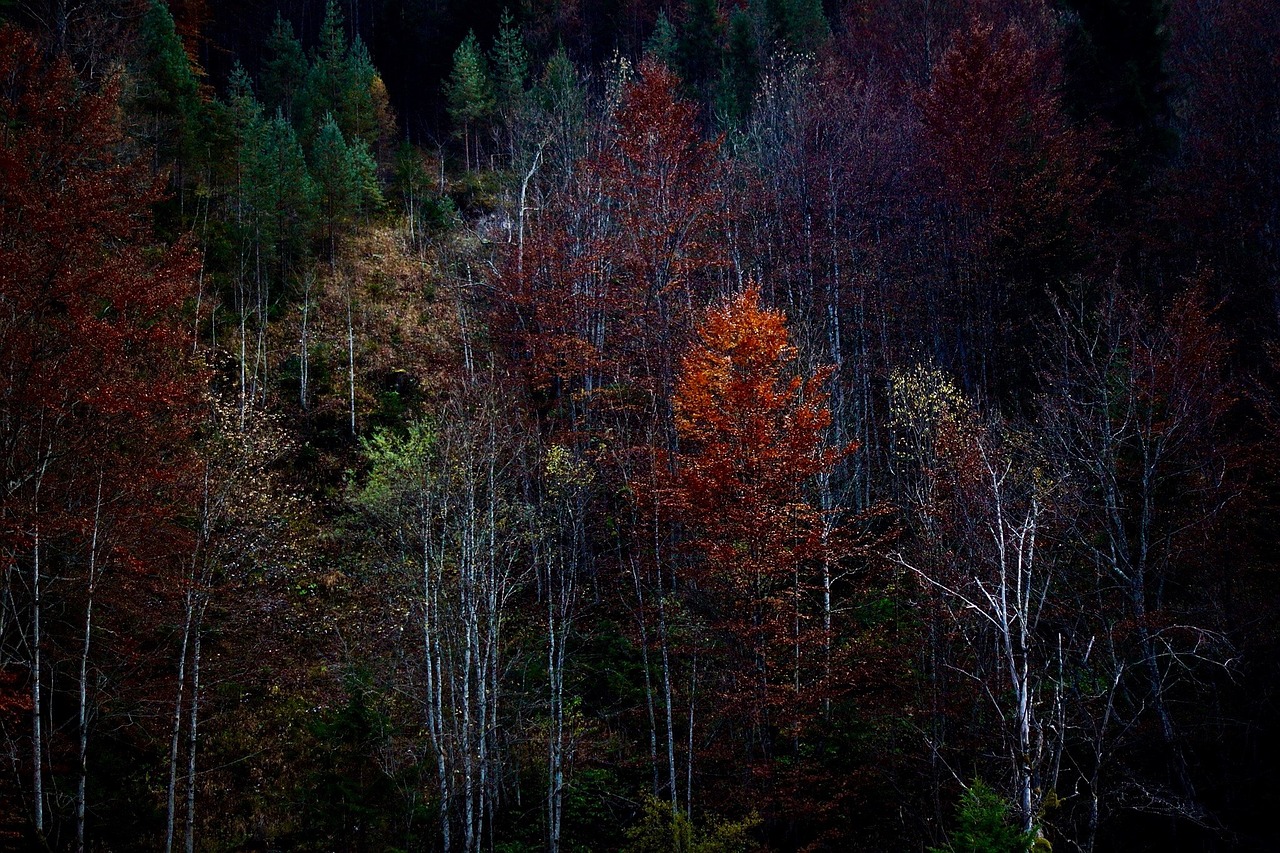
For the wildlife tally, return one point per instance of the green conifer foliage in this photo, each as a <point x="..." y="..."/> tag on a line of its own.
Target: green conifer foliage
<point x="741" y="73"/>
<point x="797" y="25"/>
<point x="285" y="70"/>
<point x="168" y="92"/>
<point x="468" y="91"/>
<point x="983" y="825"/>
<point x="343" y="83"/>
<point x="346" y="179"/>
<point x="663" y="44"/>
<point x="510" y="68"/>
<point x="701" y="47"/>
<point x="277" y="190"/>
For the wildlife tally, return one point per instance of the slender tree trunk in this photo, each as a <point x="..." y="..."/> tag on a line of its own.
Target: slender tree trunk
<point x="305" y="343"/>
<point x="37" y="751"/>
<point x="351" y="361"/>
<point x="193" y="728"/>
<point x="176" y="736"/>
<point x="84" y="674"/>
<point x="666" y="689"/>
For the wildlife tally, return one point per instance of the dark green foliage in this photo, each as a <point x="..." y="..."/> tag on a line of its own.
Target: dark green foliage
<point x="168" y="85"/>
<point x="345" y="177"/>
<point x="278" y="193"/>
<point x="468" y="91"/>
<point x="340" y="83"/>
<point x="428" y="210"/>
<point x="285" y="71"/>
<point x="349" y="798"/>
<point x="510" y="69"/>
<point x="167" y="90"/>
<point x="663" y="44"/>
<point x="983" y="825"/>
<point x="799" y="26"/>
<point x="741" y="73"/>
<point x="701" y="47"/>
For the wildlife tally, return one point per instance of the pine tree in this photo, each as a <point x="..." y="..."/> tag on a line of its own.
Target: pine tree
<point x="797" y="25"/>
<point x="510" y="80"/>
<point x="663" y="43"/>
<point x="285" y="70"/>
<point x="168" y="93"/>
<point x="701" y="47"/>
<point x="469" y="92"/>
<point x="983" y="825"/>
<point x="345" y="178"/>
<point x="278" y="190"/>
<point x="741" y="72"/>
<point x="510" y="67"/>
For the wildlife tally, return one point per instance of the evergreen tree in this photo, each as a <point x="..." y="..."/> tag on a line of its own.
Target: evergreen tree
<point x="799" y="26"/>
<point x="983" y="825"/>
<point x="346" y="179"/>
<point x="510" y="67"/>
<point x="741" y="72"/>
<point x="168" y="94"/>
<point x="359" y="114"/>
<point x="277" y="189"/>
<point x="510" y="80"/>
<point x="468" y="91"/>
<point x="663" y="43"/>
<point x="285" y="70"/>
<point x="701" y="47"/>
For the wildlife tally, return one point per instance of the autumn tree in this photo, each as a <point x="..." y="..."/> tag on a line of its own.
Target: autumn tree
<point x="752" y="438"/>
<point x="978" y="517"/>
<point x="97" y="395"/>
<point x="1014" y="184"/>
<point x="1135" y="412"/>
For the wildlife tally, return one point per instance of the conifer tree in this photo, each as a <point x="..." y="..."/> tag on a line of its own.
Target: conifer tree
<point x="701" y="47"/>
<point x="285" y="70"/>
<point x="168" y="93"/>
<point x="510" y="67"/>
<point x="469" y="92"/>
<point x="510" y="80"/>
<point x="797" y="25"/>
<point x="663" y="43"/>
<point x="741" y="72"/>
<point x="277" y="188"/>
<point x="345" y="178"/>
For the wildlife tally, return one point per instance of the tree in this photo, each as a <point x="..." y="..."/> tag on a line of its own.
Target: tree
<point x="345" y="177"/>
<point x="982" y="825"/>
<point x="979" y="515"/>
<point x="510" y="81"/>
<point x="468" y="92"/>
<point x="1135" y="412"/>
<point x="1015" y="182"/>
<point x="96" y="393"/>
<point x="285" y="70"/>
<point x="343" y="83"/>
<point x="441" y="506"/>
<point x="168" y="94"/>
<point x="752" y="442"/>
<point x="663" y="44"/>
<point x="700" y="46"/>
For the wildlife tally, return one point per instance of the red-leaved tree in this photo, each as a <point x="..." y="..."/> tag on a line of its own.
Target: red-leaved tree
<point x="95" y="397"/>
<point x="762" y="556"/>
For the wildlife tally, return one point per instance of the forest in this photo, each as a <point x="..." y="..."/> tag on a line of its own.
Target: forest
<point x="653" y="426"/>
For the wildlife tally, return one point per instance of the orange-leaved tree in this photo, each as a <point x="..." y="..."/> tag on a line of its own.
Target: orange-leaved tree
<point x="752" y="438"/>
